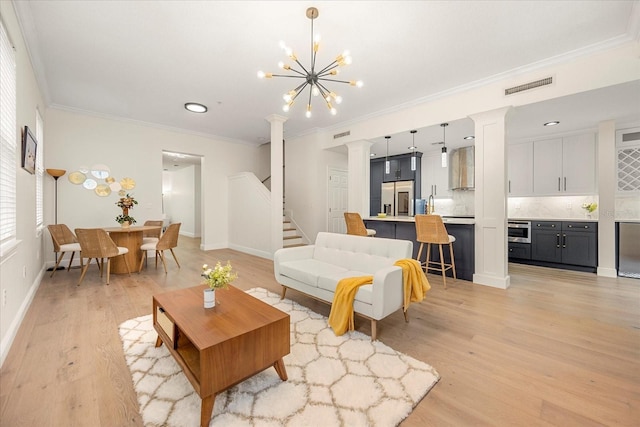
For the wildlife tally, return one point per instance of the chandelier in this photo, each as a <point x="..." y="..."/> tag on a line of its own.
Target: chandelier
<point x="314" y="79"/>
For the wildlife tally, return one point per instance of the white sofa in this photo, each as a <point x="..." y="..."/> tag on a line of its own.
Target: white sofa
<point x="315" y="270"/>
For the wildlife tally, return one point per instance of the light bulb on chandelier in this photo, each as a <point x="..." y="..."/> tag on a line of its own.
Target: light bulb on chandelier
<point x="314" y="79"/>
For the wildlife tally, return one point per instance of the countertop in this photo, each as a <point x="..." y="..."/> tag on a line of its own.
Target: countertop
<point x="446" y="220"/>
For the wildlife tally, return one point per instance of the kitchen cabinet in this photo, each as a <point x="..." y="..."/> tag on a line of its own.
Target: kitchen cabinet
<point x="564" y="165"/>
<point x="565" y="242"/>
<point x="400" y="170"/>
<point x="519" y="250"/>
<point x="436" y="178"/>
<point x="520" y="169"/>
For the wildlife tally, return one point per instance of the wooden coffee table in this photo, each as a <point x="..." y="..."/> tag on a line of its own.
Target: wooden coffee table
<point x="221" y="346"/>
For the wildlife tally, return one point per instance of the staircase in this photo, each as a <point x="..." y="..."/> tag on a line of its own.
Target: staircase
<point x="291" y="238"/>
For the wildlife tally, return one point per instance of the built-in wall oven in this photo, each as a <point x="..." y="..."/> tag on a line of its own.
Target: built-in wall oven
<point x="519" y="231"/>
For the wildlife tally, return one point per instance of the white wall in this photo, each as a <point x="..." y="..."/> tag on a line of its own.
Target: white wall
<point x="249" y="221"/>
<point x="135" y="150"/>
<point x="22" y="269"/>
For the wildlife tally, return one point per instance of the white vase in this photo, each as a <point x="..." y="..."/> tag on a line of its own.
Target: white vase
<point x="209" y="298"/>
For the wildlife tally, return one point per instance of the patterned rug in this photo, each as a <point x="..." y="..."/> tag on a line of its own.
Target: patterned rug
<point x="333" y="381"/>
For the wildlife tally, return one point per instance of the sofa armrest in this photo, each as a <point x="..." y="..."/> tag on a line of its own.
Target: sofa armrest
<point x="388" y="293"/>
<point x="291" y="254"/>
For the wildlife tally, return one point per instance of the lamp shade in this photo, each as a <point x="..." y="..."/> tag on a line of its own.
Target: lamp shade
<point x="56" y="173"/>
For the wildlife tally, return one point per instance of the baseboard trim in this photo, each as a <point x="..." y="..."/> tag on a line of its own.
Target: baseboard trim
<point x="492" y="281"/>
<point x="252" y="251"/>
<point x="7" y="341"/>
<point x="607" y="272"/>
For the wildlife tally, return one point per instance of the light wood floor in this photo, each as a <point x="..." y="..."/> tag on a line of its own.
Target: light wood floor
<point x="558" y="348"/>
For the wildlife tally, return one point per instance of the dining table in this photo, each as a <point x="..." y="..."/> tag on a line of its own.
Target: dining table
<point x="130" y="238"/>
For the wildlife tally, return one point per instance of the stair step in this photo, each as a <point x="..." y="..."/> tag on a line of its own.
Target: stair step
<point x="289" y="229"/>
<point x="294" y="245"/>
<point x="292" y="237"/>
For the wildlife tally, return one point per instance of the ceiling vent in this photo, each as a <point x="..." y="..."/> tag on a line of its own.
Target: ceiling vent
<point x="343" y="134"/>
<point x="527" y="86"/>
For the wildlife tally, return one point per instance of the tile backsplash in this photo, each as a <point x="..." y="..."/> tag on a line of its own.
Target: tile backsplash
<point x="562" y="207"/>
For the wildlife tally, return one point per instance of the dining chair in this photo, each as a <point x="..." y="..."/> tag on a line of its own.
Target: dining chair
<point x="168" y="240"/>
<point x="152" y="236"/>
<point x="431" y="230"/>
<point x="96" y="243"/>
<point x="63" y="241"/>
<point x="355" y="225"/>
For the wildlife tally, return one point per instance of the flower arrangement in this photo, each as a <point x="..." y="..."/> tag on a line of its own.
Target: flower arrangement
<point x="590" y="207"/>
<point x="220" y="276"/>
<point x="120" y="219"/>
<point x="126" y="203"/>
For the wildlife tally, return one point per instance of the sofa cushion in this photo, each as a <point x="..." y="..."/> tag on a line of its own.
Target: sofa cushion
<point x="308" y="271"/>
<point x="329" y="282"/>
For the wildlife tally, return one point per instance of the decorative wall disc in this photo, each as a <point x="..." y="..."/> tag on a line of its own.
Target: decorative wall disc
<point x="77" y="177"/>
<point x="115" y="186"/>
<point x="103" y="190"/>
<point x="100" y="171"/>
<point x="90" y="184"/>
<point x="127" y="183"/>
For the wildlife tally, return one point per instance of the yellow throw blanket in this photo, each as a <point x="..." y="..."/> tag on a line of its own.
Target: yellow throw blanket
<point x="415" y="287"/>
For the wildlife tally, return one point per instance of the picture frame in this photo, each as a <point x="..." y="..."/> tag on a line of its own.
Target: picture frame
<point x="29" y="151"/>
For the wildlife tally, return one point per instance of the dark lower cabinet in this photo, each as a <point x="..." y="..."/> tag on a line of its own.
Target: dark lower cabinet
<point x="519" y="250"/>
<point x="463" y="247"/>
<point x="565" y="243"/>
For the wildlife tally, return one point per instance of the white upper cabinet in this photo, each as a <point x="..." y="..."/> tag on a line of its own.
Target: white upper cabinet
<point x="435" y="178"/>
<point x="520" y="169"/>
<point x="565" y="165"/>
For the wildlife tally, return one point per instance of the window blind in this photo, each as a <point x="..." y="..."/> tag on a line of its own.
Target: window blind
<point x="39" y="170"/>
<point x="8" y="137"/>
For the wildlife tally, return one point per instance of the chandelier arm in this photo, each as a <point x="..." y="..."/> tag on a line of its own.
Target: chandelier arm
<point x="298" y="92"/>
<point x="323" y="90"/>
<point x="335" y="81"/>
<point x="301" y="76"/>
<point x="301" y="66"/>
<point x="297" y="71"/>
<point x="329" y="67"/>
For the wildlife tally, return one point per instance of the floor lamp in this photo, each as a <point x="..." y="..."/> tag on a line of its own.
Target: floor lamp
<point x="56" y="173"/>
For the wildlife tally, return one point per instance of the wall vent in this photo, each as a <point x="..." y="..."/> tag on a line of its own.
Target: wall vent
<point x="527" y="86"/>
<point x="343" y="134"/>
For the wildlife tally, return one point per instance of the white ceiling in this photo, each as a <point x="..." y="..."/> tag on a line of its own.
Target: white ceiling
<point x="143" y="60"/>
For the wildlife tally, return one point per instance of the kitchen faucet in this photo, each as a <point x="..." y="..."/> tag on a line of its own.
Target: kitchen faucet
<point x="430" y="205"/>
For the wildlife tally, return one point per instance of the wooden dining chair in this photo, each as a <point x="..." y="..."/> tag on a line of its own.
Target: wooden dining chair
<point x="355" y="225"/>
<point x="168" y="240"/>
<point x="96" y="243"/>
<point x="152" y="236"/>
<point x="63" y="241"/>
<point x="430" y="230"/>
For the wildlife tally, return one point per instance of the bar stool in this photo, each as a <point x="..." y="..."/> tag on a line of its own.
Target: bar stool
<point x="355" y="225"/>
<point x="431" y="230"/>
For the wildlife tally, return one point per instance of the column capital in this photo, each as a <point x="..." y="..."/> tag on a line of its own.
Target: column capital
<point x="272" y="118"/>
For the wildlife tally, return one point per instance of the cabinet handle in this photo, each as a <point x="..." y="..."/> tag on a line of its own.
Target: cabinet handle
<point x="553" y="226"/>
<point x="586" y="226"/>
<point x="570" y="226"/>
<point x="435" y="189"/>
<point x="558" y="183"/>
<point x="509" y="186"/>
<point x="565" y="183"/>
<point x="564" y="240"/>
<point x="557" y="240"/>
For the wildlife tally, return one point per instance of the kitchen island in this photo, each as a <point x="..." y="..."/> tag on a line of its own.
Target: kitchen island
<point x="404" y="227"/>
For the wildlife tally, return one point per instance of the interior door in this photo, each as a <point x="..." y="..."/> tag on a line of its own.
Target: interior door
<point x="337" y="200"/>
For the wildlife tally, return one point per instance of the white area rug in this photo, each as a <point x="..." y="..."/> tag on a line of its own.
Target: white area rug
<point x="333" y="381"/>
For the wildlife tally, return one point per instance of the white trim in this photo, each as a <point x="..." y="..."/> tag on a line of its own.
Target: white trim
<point x="607" y="272"/>
<point x="251" y="251"/>
<point x="492" y="281"/>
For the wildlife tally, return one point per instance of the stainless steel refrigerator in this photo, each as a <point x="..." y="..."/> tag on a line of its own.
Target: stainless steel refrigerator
<point x="398" y="198"/>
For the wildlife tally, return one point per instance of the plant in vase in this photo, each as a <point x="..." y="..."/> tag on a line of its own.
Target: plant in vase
<point x="125" y="203"/>
<point x="218" y="277"/>
<point x="590" y="208"/>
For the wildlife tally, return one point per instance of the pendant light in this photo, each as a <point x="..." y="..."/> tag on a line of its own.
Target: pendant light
<point x="444" y="144"/>
<point x="413" y="147"/>
<point x="387" y="164"/>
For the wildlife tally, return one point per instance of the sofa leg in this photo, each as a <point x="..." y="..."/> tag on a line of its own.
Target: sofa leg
<point x="374" y="332"/>
<point x="284" y="291"/>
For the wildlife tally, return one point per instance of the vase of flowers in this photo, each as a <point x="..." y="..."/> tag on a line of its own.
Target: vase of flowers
<point x="216" y="278"/>
<point x="125" y="203"/>
<point x="590" y="208"/>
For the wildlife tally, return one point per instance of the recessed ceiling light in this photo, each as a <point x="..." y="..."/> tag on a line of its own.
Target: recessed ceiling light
<point x="469" y="137"/>
<point x="413" y="147"/>
<point x="194" y="107"/>
<point x="372" y="155"/>
<point x="552" y="123"/>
